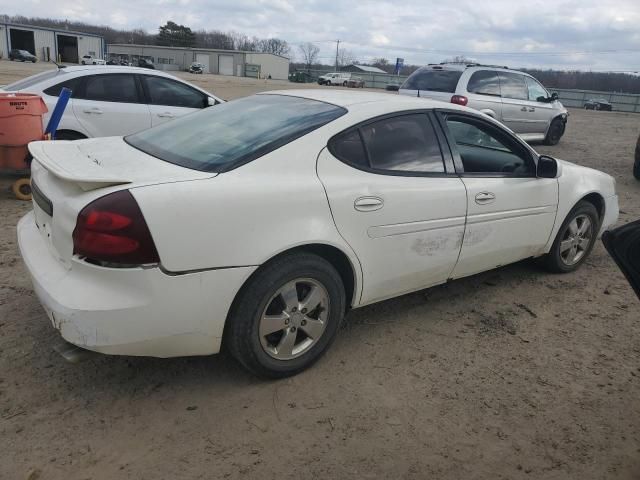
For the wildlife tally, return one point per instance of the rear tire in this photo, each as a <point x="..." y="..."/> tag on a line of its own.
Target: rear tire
<point x="261" y="318"/>
<point x="556" y="130"/>
<point x="560" y="258"/>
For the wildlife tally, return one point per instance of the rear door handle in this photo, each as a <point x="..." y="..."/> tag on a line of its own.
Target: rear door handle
<point x="166" y="115"/>
<point x="484" y="198"/>
<point x="523" y="109"/>
<point x="97" y="111"/>
<point x="532" y="109"/>
<point x="368" y="204"/>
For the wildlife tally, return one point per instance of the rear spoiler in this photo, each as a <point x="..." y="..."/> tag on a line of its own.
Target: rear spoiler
<point x="73" y="165"/>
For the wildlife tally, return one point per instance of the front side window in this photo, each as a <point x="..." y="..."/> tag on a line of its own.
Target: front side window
<point x="484" y="149"/>
<point x="537" y="93"/>
<point x="433" y="80"/>
<point x="164" y="91"/>
<point x="406" y="143"/>
<point x="512" y="85"/>
<point x="111" y="88"/>
<point x="222" y="138"/>
<point x="484" y="82"/>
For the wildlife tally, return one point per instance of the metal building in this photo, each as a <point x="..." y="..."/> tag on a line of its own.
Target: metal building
<point x="222" y="62"/>
<point x="49" y="43"/>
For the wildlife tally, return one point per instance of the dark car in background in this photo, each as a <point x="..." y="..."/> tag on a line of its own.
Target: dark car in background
<point x="145" y="63"/>
<point x="598" y="104"/>
<point x="22" y="55"/>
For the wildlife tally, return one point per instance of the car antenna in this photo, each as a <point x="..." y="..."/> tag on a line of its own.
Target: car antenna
<point x="418" y="93"/>
<point x="58" y="65"/>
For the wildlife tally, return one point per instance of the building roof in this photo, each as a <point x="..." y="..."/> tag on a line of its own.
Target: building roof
<point x="367" y="68"/>
<point x="56" y="30"/>
<point x="195" y="49"/>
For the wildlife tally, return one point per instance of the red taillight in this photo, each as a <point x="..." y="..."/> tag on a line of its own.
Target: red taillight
<point x="460" y="100"/>
<point x="112" y="229"/>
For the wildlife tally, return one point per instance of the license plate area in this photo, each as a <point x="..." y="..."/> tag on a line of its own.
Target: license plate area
<point x="41" y="199"/>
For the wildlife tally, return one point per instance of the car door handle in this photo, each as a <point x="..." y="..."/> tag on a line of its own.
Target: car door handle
<point x="532" y="109"/>
<point x="166" y="115"/>
<point x="97" y="111"/>
<point x="523" y="109"/>
<point x="368" y="204"/>
<point x="484" y="198"/>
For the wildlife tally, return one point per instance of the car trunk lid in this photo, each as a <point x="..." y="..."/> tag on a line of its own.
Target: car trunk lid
<point x="66" y="176"/>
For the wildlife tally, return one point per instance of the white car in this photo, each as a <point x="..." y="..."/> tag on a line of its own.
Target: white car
<point x="260" y="222"/>
<point x="337" y="78"/>
<point x="113" y="100"/>
<point x="89" y="60"/>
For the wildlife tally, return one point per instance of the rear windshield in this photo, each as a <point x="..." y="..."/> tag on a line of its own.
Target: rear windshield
<point x="33" y="80"/>
<point x="433" y="80"/>
<point x="220" y="138"/>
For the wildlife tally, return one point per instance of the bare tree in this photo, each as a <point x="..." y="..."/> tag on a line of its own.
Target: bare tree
<point x="345" y="57"/>
<point x="275" y="46"/>
<point x="460" y="59"/>
<point x="309" y="54"/>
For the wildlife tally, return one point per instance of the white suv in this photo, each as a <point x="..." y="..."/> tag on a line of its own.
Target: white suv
<point x="515" y="98"/>
<point x="111" y="100"/>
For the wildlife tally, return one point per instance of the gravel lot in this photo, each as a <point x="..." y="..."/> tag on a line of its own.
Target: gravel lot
<point x="515" y="373"/>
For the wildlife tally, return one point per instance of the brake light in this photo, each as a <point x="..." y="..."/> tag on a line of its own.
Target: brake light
<point x="460" y="100"/>
<point x="112" y="229"/>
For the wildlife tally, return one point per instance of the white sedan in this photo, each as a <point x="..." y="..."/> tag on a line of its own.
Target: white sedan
<point x="261" y="222"/>
<point x="114" y="100"/>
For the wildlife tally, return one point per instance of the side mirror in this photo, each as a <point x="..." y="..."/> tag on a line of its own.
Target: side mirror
<point x="623" y="244"/>
<point x="547" y="167"/>
<point x="211" y="102"/>
<point x="554" y="96"/>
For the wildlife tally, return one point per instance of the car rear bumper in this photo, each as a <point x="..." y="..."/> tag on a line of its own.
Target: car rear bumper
<point x="130" y="311"/>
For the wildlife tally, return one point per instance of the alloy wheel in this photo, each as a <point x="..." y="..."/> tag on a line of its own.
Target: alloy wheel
<point x="576" y="240"/>
<point x="294" y="319"/>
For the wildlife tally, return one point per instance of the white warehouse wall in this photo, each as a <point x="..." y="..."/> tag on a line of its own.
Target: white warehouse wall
<point x="277" y="67"/>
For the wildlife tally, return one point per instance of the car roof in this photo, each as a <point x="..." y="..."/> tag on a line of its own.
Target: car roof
<point x="348" y="98"/>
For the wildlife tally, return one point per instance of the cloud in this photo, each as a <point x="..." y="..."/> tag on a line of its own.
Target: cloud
<point x="540" y="33"/>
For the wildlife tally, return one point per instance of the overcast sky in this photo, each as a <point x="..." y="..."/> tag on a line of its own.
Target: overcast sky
<point x="584" y="34"/>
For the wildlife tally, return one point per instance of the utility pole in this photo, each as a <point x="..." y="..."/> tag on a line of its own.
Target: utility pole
<point x="337" y="45"/>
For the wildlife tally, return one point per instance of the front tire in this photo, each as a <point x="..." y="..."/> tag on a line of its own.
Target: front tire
<point x="574" y="240"/>
<point x="556" y="130"/>
<point x="286" y="316"/>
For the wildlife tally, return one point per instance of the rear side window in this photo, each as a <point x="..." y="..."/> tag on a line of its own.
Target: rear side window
<point x="72" y="84"/>
<point x="111" y="88"/>
<point x="512" y="85"/>
<point x="433" y="80"/>
<point x="405" y="143"/>
<point x="484" y="82"/>
<point x="222" y="138"/>
<point x="164" y="91"/>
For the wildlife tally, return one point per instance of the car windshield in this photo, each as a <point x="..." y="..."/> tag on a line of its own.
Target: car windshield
<point x="222" y="137"/>
<point x="433" y="80"/>
<point x="33" y="80"/>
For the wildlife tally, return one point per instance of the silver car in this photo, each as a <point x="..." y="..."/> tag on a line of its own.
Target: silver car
<point x="515" y="98"/>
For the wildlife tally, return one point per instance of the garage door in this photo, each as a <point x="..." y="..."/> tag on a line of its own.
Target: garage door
<point x="203" y="58"/>
<point x="225" y="64"/>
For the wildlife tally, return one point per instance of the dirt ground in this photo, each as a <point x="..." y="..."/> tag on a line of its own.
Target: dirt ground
<point x="511" y="374"/>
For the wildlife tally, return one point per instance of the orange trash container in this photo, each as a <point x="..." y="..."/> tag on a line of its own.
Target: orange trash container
<point x="20" y="123"/>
